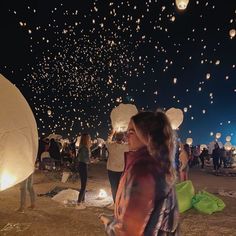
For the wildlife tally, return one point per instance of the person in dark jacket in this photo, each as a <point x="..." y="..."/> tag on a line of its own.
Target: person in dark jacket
<point x="216" y="157"/>
<point x="203" y="156"/>
<point x="54" y="152"/>
<point x="146" y="201"/>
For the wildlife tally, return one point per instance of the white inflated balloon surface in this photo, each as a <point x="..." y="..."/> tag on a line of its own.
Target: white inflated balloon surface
<point x="18" y="136"/>
<point x="175" y="116"/>
<point x="120" y="116"/>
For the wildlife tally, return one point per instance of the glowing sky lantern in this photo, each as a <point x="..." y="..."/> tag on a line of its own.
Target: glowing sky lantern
<point x="232" y="33"/>
<point x="121" y="115"/>
<point x="49" y="112"/>
<point x="218" y="135"/>
<point x="175" y="116"/>
<point x="189" y="141"/>
<point x="228" y="138"/>
<point x="18" y="136"/>
<point x="181" y="4"/>
<point x="228" y="146"/>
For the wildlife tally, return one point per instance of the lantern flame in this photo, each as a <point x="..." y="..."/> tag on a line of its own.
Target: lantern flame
<point x="102" y="194"/>
<point x="7" y="180"/>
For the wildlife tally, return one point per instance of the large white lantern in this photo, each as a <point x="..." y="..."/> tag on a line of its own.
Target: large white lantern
<point x="218" y="135"/>
<point x="18" y="136"/>
<point x="181" y="4"/>
<point x="232" y="33"/>
<point x="228" y="139"/>
<point x="189" y="141"/>
<point x="120" y="116"/>
<point x="175" y="116"/>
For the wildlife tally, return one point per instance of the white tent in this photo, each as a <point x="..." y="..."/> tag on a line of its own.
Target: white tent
<point x="18" y="136"/>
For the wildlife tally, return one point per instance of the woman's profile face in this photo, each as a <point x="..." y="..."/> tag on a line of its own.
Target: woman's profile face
<point x="134" y="141"/>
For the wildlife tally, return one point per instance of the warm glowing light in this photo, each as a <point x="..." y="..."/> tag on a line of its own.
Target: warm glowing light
<point x="7" y="180"/>
<point x="181" y="4"/>
<point x="232" y="33"/>
<point x="218" y="135"/>
<point x="189" y="141"/>
<point x="228" y="146"/>
<point x="102" y="194"/>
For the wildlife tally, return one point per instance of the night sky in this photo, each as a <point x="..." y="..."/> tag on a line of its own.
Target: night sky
<point x="74" y="61"/>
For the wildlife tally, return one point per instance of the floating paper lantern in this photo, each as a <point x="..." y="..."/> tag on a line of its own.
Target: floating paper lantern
<point x="228" y="138"/>
<point x="175" y="116"/>
<point x="18" y="136"/>
<point x="181" y="4"/>
<point x="49" y="112"/>
<point x="189" y="141"/>
<point x="208" y="76"/>
<point x="218" y="135"/>
<point x="232" y="33"/>
<point x="228" y="146"/>
<point x="120" y="116"/>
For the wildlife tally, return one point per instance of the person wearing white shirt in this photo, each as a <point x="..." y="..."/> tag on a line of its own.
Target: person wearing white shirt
<point x="115" y="163"/>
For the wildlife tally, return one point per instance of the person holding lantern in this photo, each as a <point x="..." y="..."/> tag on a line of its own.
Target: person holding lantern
<point x="146" y="201"/>
<point x="115" y="162"/>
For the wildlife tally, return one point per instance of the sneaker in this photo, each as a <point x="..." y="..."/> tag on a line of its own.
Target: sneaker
<point x="80" y="206"/>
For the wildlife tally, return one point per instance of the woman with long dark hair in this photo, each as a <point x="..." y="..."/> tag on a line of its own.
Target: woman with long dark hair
<point x="82" y="161"/>
<point x="146" y="202"/>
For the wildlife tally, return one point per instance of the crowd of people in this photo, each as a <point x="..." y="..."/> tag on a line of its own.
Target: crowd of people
<point x="143" y="165"/>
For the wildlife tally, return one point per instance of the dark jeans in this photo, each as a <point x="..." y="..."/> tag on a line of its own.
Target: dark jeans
<point x="216" y="163"/>
<point x="114" y="179"/>
<point x="83" y="172"/>
<point x="202" y="161"/>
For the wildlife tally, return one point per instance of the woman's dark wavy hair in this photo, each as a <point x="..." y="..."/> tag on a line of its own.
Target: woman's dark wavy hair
<point x="156" y="128"/>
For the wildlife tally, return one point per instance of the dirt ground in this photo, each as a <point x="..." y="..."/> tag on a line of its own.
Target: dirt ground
<point x="51" y="218"/>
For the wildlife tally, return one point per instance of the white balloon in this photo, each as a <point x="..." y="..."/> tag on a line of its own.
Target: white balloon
<point x="175" y="117"/>
<point x="18" y="136"/>
<point x="120" y="116"/>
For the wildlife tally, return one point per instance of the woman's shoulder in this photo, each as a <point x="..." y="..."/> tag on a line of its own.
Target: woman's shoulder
<point x="146" y="167"/>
